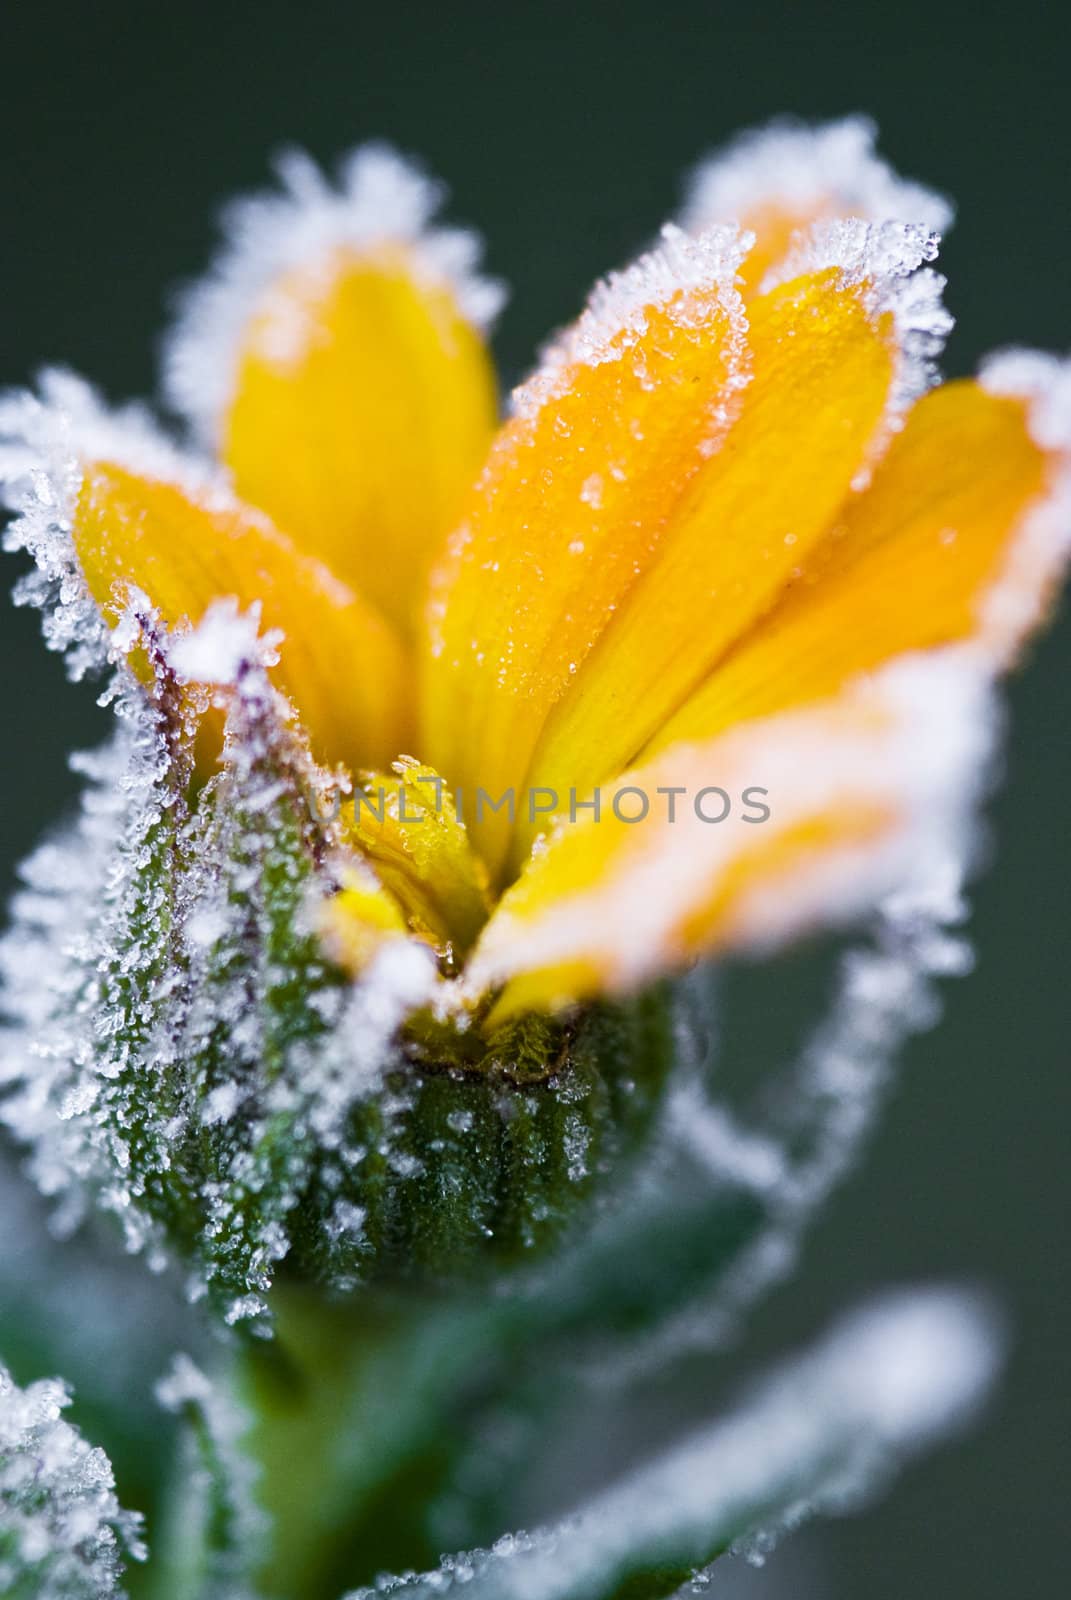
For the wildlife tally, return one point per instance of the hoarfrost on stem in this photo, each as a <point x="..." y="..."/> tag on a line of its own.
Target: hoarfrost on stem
<point x="378" y="197"/>
<point x="820" y="1434"/>
<point x="63" y="1534"/>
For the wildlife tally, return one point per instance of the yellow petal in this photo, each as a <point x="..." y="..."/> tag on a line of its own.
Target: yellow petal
<point x="579" y="489"/>
<point x="779" y="180"/>
<point x="339" y="662"/>
<point x="856" y="791"/>
<point x="359" y="920"/>
<point x="363" y="408"/>
<point x="824" y="372"/>
<point x="912" y="562"/>
<point x="405" y="823"/>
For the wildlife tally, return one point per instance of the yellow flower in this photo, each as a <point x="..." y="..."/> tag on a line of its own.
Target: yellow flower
<point x="691" y="654"/>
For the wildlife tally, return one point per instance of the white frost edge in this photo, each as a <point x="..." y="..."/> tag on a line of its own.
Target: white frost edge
<point x="809" y="1129"/>
<point x="800" y="166"/>
<point x="1041" y="550"/>
<point x="186" y="1390"/>
<point x="822" y="1434"/>
<point x="379" y="198"/>
<point x="890" y="259"/>
<point x="68" y="423"/>
<point x="615" y="317"/>
<point x="931" y="758"/>
<point x="225" y="642"/>
<point x="46" y="440"/>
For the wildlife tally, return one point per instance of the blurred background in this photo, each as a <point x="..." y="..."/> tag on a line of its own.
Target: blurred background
<point x="564" y="131"/>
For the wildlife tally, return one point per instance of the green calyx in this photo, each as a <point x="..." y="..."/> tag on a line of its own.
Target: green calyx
<point x="246" y="1106"/>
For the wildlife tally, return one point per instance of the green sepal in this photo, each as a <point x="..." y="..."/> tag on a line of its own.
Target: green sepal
<point x="233" y="1089"/>
<point x="486" y="1164"/>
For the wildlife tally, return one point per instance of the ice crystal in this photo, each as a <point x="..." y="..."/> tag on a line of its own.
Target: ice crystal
<point x="44" y="440"/>
<point x="222" y="645"/>
<point x="379" y="197"/>
<point x="163" y="1002"/>
<point x="929" y="749"/>
<point x="809" y="170"/>
<point x="219" y="1480"/>
<point x="63" y="1534"/>
<point x="1043" y="383"/>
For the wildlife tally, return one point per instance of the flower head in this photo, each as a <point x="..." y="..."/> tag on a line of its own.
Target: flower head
<point x="720" y="516"/>
<point x="693" y="653"/>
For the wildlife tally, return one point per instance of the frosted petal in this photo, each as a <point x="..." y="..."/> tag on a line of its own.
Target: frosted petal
<point x="890" y="260"/>
<point x="378" y="198"/>
<point x="801" y="168"/>
<point x="821" y="1434"/>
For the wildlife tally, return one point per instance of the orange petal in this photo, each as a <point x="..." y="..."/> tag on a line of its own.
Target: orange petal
<point x="859" y="791"/>
<point x="783" y="178"/>
<point x="826" y="361"/>
<point x="356" y="396"/>
<point x="186" y="548"/>
<point x="355" y="923"/>
<point x="914" y="561"/>
<point x="406" y="825"/>
<point x="579" y="488"/>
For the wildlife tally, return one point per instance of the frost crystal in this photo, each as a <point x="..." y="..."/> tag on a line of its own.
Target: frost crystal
<point x="1040" y="553"/>
<point x="63" y="1535"/>
<point x="804" y="170"/>
<point x="933" y="733"/>
<point x="889" y="260"/>
<point x="45" y="440"/>
<point x="379" y="199"/>
<point x="221" y="646"/>
<point x="164" y="1002"/>
<point x="616" y="314"/>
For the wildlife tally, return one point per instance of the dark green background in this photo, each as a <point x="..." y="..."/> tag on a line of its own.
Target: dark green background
<point x="564" y="130"/>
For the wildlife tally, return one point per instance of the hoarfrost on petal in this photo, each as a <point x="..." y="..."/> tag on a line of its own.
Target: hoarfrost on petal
<point x="379" y="198"/>
<point x="822" y="1434"/>
<point x="220" y="1475"/>
<point x="889" y="260"/>
<point x="46" y="441"/>
<point x="1040" y="553"/>
<point x="1044" y="382"/>
<point x="927" y="748"/>
<point x="615" y="317"/>
<point x="63" y="1534"/>
<point x="793" y="165"/>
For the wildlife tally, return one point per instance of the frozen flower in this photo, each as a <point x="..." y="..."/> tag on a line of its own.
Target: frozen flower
<point x="733" y="539"/>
